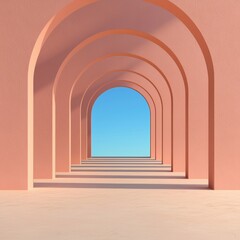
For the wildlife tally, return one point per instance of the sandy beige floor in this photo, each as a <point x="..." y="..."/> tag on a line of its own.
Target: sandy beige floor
<point x="118" y="199"/>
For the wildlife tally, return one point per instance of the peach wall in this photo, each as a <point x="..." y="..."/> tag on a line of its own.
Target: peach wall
<point x="222" y="38"/>
<point x="212" y="42"/>
<point x="20" y="24"/>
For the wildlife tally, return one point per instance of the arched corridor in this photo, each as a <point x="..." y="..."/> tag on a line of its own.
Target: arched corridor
<point x="59" y="57"/>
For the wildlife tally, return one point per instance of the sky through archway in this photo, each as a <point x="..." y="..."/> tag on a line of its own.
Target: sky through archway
<point x="120" y="124"/>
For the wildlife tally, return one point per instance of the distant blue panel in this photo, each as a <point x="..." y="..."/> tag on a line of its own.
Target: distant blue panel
<point x="121" y="124"/>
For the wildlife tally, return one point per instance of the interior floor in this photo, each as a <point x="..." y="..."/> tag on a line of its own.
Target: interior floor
<point x="117" y="199"/>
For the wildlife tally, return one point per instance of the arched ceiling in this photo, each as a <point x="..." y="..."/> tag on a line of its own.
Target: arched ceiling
<point x="109" y="15"/>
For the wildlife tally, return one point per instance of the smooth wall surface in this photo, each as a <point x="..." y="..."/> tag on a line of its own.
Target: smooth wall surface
<point x="217" y="21"/>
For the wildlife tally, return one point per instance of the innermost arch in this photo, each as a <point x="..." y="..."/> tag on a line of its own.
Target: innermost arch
<point x="120" y="124"/>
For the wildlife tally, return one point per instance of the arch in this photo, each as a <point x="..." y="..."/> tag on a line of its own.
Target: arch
<point x="119" y="70"/>
<point x="149" y="38"/>
<point x="171" y="53"/>
<point x="106" y="85"/>
<point x="61" y="108"/>
<point x="136" y="87"/>
<point x="131" y="56"/>
<point x="91" y="39"/>
<point x="76" y="116"/>
<point x="117" y="31"/>
<point x="190" y="25"/>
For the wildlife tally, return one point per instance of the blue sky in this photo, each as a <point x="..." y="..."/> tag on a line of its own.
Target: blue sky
<point x="120" y="124"/>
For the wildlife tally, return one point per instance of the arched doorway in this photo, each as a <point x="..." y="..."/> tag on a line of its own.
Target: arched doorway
<point x="120" y="124"/>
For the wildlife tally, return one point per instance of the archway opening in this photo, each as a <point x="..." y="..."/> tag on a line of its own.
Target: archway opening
<point x="120" y="125"/>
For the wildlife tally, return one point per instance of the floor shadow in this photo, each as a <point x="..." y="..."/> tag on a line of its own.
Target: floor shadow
<point x="140" y="166"/>
<point x="125" y="163"/>
<point x="120" y="160"/>
<point x="117" y="170"/>
<point x="123" y="186"/>
<point x="120" y="176"/>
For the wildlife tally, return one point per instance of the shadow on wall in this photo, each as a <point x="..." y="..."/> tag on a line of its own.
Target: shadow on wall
<point x="107" y="15"/>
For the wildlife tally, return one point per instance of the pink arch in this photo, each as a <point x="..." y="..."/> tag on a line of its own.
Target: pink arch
<point x="178" y="13"/>
<point x="140" y="90"/>
<point x="142" y="59"/>
<point x="116" y="71"/>
<point x="91" y="92"/>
